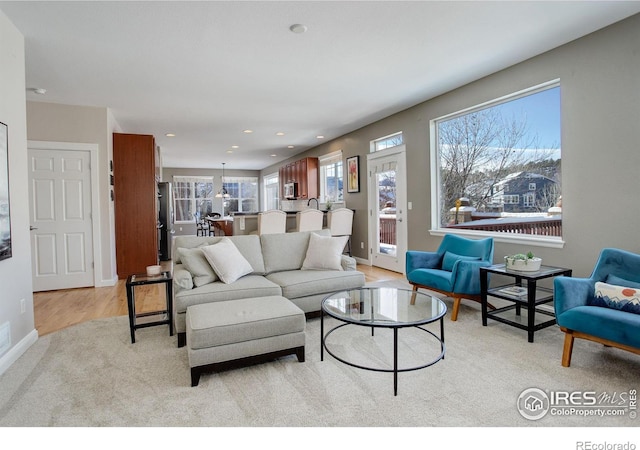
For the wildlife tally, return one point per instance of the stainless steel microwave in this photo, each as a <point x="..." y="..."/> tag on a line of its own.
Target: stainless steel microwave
<point x="291" y="190"/>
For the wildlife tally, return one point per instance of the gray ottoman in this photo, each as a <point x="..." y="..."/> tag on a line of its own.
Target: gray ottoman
<point x="222" y="335"/>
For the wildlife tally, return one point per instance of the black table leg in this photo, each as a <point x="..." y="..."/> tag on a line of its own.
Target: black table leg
<point x="484" y="285"/>
<point x="395" y="361"/>
<point x="321" y="334"/>
<point x="131" y="303"/>
<point x="531" y="309"/>
<point x="169" y="296"/>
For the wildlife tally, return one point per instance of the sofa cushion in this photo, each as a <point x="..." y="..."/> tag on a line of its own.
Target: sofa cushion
<point x="301" y="283"/>
<point x="248" y="245"/>
<point x="450" y="259"/>
<point x="623" y="298"/>
<point x="195" y="263"/>
<point x="245" y="287"/>
<point x="324" y="252"/>
<point x="285" y="251"/>
<point x="242" y="320"/>
<point x="227" y="261"/>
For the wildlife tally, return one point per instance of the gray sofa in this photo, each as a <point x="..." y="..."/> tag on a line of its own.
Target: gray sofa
<point x="276" y="260"/>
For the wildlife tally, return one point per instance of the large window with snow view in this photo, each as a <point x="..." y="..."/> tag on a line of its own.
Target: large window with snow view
<point x="497" y="166"/>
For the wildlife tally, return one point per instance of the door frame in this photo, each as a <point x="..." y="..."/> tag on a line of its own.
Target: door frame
<point x="93" y="150"/>
<point x="401" y="153"/>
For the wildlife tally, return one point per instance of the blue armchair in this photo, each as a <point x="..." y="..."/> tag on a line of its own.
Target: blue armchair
<point x="453" y="270"/>
<point x="580" y="313"/>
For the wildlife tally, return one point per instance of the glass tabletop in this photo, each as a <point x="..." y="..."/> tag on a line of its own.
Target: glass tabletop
<point x="383" y="307"/>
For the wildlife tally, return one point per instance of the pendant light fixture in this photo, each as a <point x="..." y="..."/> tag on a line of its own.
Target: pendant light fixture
<point x="222" y="192"/>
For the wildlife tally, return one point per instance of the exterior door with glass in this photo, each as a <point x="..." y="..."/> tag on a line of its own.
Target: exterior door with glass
<point x="387" y="208"/>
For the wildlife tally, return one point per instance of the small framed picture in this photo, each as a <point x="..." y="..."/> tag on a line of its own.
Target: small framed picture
<point x="353" y="174"/>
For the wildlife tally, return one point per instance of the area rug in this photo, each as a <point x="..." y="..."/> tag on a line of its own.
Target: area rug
<point x="90" y="375"/>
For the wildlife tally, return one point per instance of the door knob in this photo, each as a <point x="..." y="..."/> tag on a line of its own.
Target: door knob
<point x="31" y="228"/>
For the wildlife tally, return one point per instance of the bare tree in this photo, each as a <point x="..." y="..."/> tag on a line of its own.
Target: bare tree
<point x="479" y="149"/>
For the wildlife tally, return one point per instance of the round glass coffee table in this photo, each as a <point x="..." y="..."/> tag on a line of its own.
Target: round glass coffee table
<point x="381" y="307"/>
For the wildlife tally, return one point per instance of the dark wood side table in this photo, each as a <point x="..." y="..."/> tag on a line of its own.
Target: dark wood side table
<point x="152" y="318"/>
<point x="530" y="296"/>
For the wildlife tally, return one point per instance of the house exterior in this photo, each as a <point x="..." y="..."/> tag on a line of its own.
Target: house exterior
<point x="525" y="192"/>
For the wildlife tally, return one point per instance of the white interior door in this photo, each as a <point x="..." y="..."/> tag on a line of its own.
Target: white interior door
<point x="387" y="208"/>
<point x="60" y="213"/>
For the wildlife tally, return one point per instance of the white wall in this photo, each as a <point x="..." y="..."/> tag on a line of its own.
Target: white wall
<point x="15" y="272"/>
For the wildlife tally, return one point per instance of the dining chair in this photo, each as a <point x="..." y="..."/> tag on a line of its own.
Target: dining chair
<point x="340" y="223"/>
<point x="309" y="220"/>
<point x="272" y="221"/>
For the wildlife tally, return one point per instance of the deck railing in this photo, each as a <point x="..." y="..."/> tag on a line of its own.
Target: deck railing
<point x="388" y="229"/>
<point x="544" y="226"/>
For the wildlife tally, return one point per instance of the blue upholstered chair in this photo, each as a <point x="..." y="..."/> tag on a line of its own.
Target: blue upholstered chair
<point x="612" y="320"/>
<point x="453" y="270"/>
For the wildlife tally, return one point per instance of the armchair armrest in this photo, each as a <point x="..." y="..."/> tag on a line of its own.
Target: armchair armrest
<point x="465" y="276"/>
<point x="571" y="292"/>
<point x="422" y="260"/>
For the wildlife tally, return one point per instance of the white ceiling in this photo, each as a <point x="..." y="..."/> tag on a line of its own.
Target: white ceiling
<point x="207" y="70"/>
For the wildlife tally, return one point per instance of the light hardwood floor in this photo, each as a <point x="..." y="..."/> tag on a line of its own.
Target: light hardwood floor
<point x="55" y="310"/>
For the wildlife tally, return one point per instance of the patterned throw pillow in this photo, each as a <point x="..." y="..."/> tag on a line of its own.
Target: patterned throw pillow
<point x="612" y="296"/>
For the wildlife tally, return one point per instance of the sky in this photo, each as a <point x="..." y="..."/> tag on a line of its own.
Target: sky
<point x="542" y="111"/>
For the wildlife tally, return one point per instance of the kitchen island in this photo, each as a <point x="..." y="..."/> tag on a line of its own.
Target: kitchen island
<point x="246" y="222"/>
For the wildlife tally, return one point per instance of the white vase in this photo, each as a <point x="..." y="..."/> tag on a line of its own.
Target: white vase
<point x="521" y="265"/>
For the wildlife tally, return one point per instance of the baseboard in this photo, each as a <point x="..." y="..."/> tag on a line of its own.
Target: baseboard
<point x="18" y="350"/>
<point x="107" y="283"/>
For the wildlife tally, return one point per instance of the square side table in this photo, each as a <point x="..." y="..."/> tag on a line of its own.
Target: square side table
<point x="163" y="317"/>
<point x="529" y="296"/>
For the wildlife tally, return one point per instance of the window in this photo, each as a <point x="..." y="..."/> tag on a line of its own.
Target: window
<point x="387" y="142"/>
<point x="271" y="191"/>
<point x="192" y="197"/>
<point x="496" y="154"/>
<point x="331" y="177"/>
<point x="243" y="194"/>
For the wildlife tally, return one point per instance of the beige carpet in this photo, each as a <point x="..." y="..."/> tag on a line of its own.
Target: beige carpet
<point x="91" y="375"/>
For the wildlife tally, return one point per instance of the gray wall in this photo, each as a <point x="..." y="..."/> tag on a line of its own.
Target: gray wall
<point x="15" y="272"/>
<point x="600" y="96"/>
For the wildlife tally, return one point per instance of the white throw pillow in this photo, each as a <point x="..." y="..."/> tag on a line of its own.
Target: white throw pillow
<point x="226" y="260"/>
<point x="324" y="252"/>
<point x="197" y="265"/>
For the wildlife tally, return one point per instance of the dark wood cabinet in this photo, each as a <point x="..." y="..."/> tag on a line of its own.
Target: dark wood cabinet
<point x="306" y="173"/>
<point x="135" y="203"/>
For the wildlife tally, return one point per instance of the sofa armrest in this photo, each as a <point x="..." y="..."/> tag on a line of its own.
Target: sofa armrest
<point x="422" y="260"/>
<point x="571" y="292"/>
<point x="182" y="280"/>
<point x="348" y="263"/>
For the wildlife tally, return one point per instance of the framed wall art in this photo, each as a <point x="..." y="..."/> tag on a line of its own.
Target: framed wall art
<point x="353" y="174"/>
<point x="5" y="217"/>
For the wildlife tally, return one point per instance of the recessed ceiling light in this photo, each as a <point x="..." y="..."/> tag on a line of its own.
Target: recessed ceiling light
<point x="229" y="151"/>
<point x="235" y="146"/>
<point x="273" y="155"/>
<point x="170" y="135"/>
<point x="298" y="28"/>
<point x="248" y="131"/>
<point x="291" y="146"/>
<point x="319" y="136"/>
<point x="279" y="133"/>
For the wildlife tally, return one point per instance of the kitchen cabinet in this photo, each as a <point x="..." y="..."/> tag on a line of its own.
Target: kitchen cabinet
<point x="135" y="203"/>
<point x="306" y="173"/>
